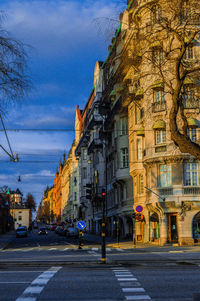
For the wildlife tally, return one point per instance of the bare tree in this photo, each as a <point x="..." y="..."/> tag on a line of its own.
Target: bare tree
<point x="14" y="81"/>
<point x="30" y="202"/>
<point x="161" y="41"/>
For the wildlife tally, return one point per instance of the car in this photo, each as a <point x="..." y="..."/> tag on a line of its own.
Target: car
<point x="72" y="232"/>
<point x="42" y="231"/>
<point x="21" y="231"/>
<point x="53" y="227"/>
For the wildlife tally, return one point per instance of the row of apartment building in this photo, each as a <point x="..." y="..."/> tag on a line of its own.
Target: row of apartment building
<point x="123" y="137"/>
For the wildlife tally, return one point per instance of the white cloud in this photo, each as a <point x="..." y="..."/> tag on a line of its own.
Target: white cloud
<point x="57" y="27"/>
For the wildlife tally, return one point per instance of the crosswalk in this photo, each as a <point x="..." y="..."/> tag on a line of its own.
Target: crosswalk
<point x="61" y="249"/>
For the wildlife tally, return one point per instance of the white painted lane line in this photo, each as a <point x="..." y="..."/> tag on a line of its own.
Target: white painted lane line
<point x="133" y="289"/>
<point x="121" y="270"/>
<point x="26" y="299"/>
<point x="33" y="290"/>
<point x="95" y="249"/>
<point x="125" y="276"/>
<point x="15" y="282"/>
<point x="126" y="279"/>
<point x="139" y="297"/>
<point x="64" y="249"/>
<point x="51" y="249"/>
<point x="122" y="273"/>
<point x="37" y="285"/>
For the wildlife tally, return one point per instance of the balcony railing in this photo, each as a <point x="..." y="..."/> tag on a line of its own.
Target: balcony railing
<point x="158" y="106"/>
<point x="166" y="191"/>
<point x="191" y="103"/>
<point x="191" y="190"/>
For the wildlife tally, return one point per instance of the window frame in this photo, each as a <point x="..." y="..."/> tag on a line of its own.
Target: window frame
<point x="162" y="135"/>
<point x="191" y="174"/>
<point x="166" y="175"/>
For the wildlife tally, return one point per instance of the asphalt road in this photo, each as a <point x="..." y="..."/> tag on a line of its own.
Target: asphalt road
<point x="41" y="268"/>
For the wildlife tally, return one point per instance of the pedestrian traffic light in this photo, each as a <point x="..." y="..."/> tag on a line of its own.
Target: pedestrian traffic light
<point x="89" y="191"/>
<point x="134" y="214"/>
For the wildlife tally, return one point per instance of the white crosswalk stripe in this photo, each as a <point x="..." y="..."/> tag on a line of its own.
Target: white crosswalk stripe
<point x="130" y="285"/>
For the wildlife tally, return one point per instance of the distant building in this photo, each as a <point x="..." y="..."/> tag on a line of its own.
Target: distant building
<point x="21" y="215"/>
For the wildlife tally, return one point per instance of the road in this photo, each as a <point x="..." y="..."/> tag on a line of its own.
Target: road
<point x="52" y="268"/>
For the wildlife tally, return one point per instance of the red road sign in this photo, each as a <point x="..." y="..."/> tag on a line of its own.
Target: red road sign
<point x="139" y="208"/>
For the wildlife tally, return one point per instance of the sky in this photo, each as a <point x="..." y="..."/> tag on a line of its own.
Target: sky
<point x="64" y="40"/>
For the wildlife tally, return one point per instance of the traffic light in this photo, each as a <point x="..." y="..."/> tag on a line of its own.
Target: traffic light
<point x="134" y="214"/>
<point x="89" y="191"/>
<point x="103" y="193"/>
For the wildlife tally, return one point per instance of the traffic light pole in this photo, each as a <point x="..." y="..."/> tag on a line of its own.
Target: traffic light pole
<point x="103" y="233"/>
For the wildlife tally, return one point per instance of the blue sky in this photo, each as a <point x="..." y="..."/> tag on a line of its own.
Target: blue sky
<point x="66" y="37"/>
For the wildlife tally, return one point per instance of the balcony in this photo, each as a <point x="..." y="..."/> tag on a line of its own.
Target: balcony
<point x="95" y="120"/>
<point x="191" y="190"/>
<point x="191" y="104"/>
<point x="94" y="144"/>
<point x="165" y="191"/>
<point x="158" y="106"/>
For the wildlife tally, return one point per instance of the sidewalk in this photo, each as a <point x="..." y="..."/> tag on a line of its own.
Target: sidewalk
<point x="6" y="238"/>
<point x="128" y="244"/>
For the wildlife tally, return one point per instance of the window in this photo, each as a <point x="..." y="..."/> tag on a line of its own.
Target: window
<point x="75" y="181"/>
<point x="165" y="175"/>
<point x="139" y="149"/>
<point x="124" y="126"/>
<point x="191" y="174"/>
<point x="84" y="172"/>
<point x="138" y="114"/>
<point x="157" y="55"/>
<point x="19" y="218"/>
<point x="192" y="133"/>
<point x="189" y="53"/>
<point x="160" y="136"/>
<point x="158" y="96"/>
<point x="141" y="184"/>
<point x="124" y="157"/>
<point x="74" y="196"/>
<point x="85" y="154"/>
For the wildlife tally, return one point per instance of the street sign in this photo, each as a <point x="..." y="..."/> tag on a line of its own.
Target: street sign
<point x="81" y="225"/>
<point x="139" y="208"/>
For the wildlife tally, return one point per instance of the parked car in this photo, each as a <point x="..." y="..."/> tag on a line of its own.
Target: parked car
<point x="42" y="231"/>
<point x="53" y="227"/>
<point x="21" y="231"/>
<point x="72" y="232"/>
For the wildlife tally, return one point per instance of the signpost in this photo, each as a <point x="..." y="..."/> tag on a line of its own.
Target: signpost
<point x="81" y="225"/>
<point x="139" y="208"/>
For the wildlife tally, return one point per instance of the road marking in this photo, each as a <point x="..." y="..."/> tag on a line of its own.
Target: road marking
<point x="26" y="299"/>
<point x="15" y="282"/>
<point x="118" y="249"/>
<point x="130" y="284"/>
<point x="175" y="251"/>
<point x="133" y="289"/>
<point x="37" y="285"/>
<point x="95" y="249"/>
<point x="126" y="279"/>
<point x="139" y="297"/>
<point x="5" y="272"/>
<point x="52" y="249"/>
<point x="65" y="249"/>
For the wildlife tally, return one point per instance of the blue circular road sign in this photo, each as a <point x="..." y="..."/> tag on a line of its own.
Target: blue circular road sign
<point x="81" y="225"/>
<point x="139" y="208"/>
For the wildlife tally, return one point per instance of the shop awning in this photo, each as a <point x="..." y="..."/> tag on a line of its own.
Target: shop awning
<point x="193" y="123"/>
<point x="159" y="124"/>
<point x="140" y="132"/>
<point x="158" y="84"/>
